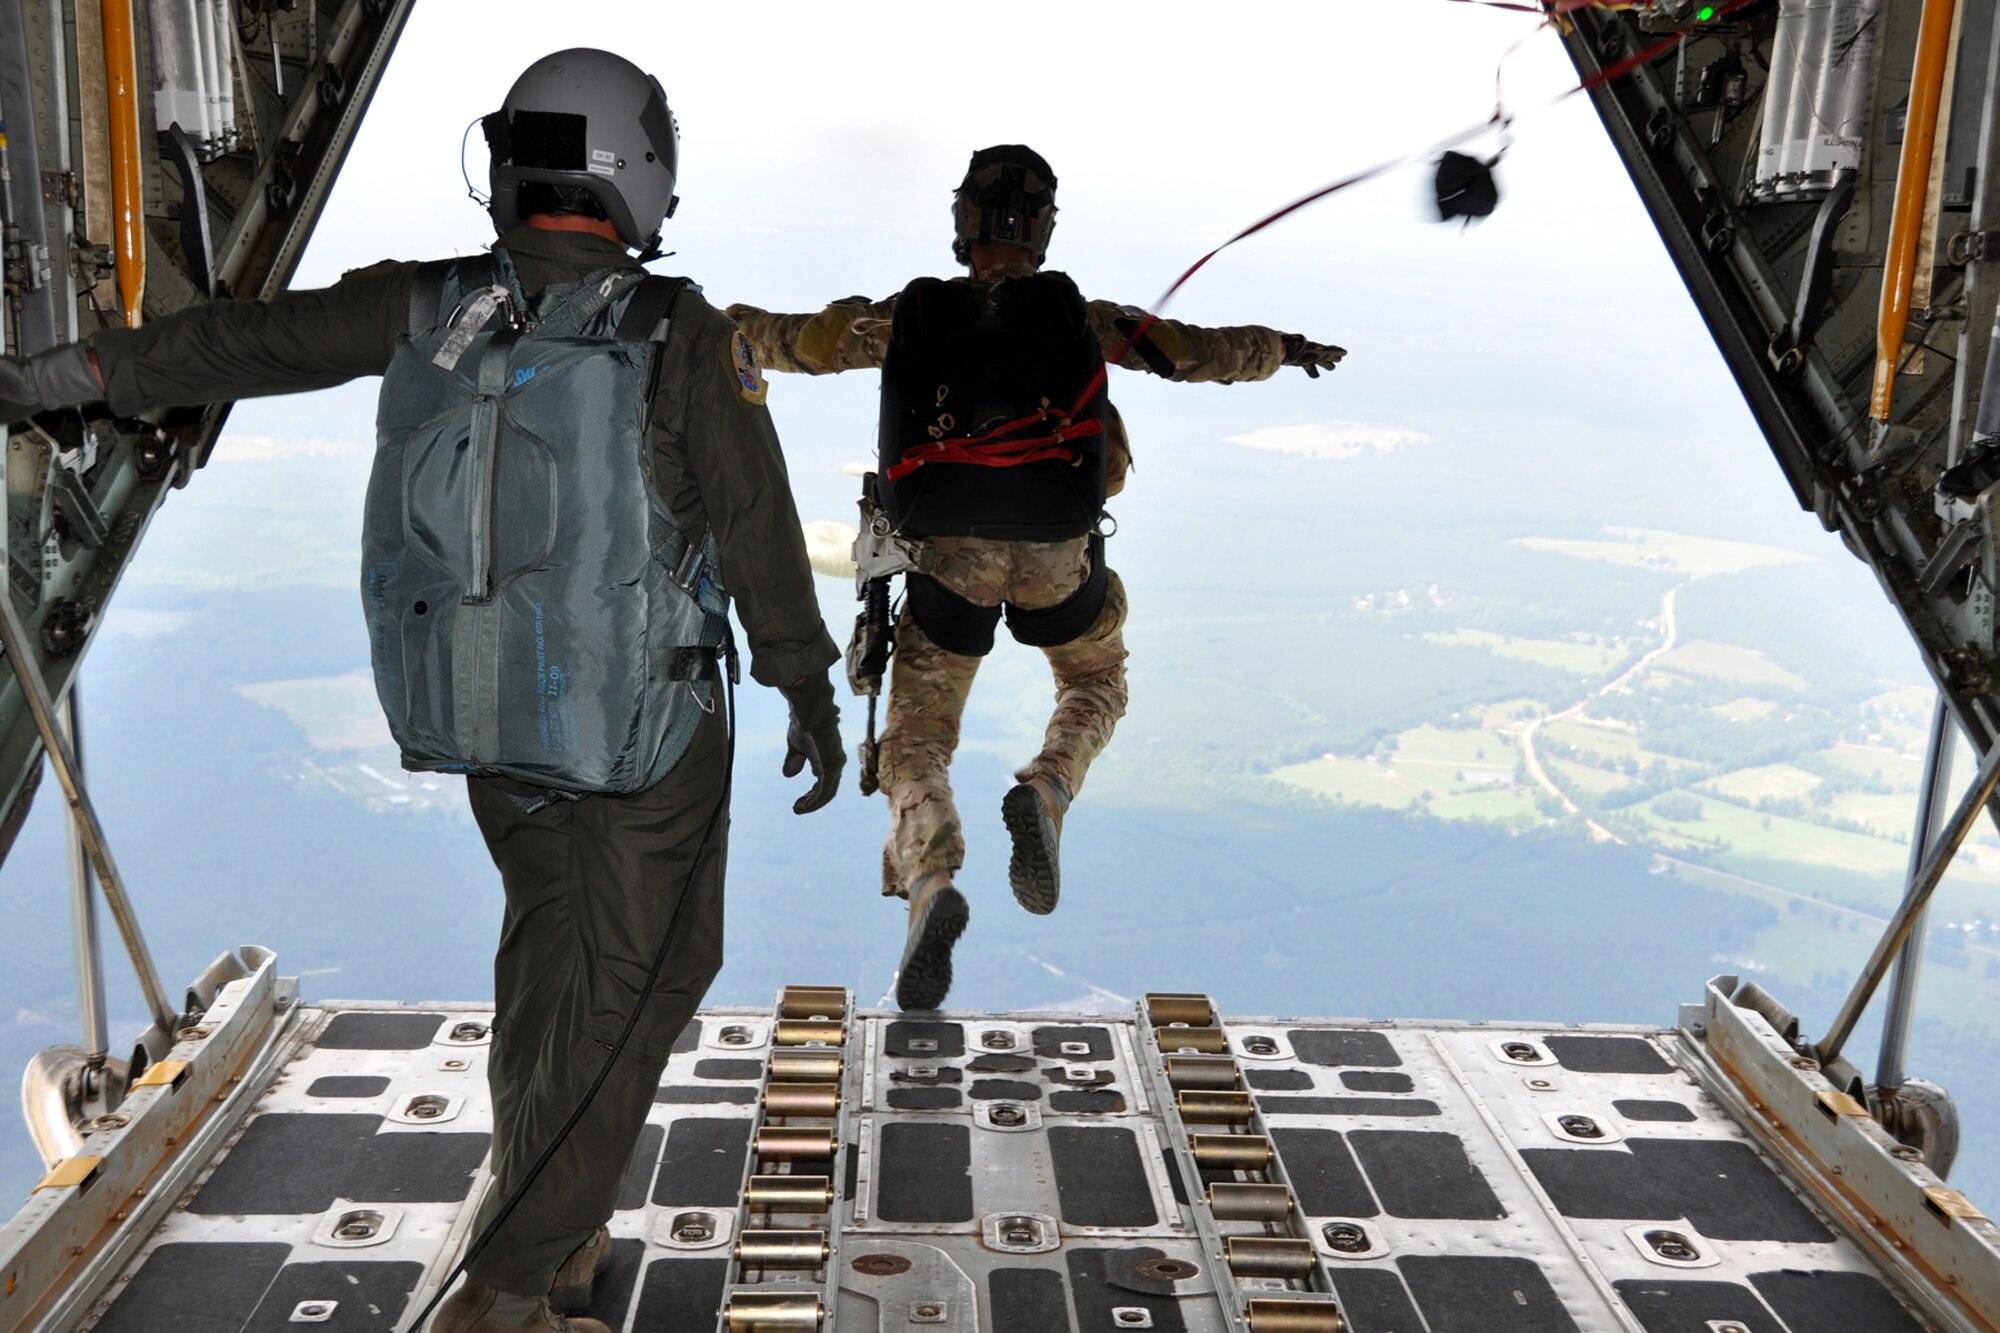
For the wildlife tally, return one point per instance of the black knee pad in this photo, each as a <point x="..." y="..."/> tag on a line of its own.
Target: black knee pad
<point x="953" y="623"/>
<point x="1069" y="619"/>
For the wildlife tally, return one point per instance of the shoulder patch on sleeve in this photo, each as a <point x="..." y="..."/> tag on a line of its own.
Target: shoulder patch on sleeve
<point x="742" y="357"/>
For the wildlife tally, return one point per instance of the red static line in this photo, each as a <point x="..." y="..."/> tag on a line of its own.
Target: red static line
<point x="1608" y="74"/>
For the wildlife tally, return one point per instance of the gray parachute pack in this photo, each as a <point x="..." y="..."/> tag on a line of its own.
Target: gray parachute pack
<point x="533" y="610"/>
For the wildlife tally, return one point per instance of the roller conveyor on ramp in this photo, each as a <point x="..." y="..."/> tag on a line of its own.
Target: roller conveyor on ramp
<point x="808" y="1167"/>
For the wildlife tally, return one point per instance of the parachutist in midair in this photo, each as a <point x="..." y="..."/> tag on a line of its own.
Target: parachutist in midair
<point x="998" y="449"/>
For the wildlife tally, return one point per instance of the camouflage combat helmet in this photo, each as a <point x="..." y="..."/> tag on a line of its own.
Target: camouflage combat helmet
<point x="1008" y="194"/>
<point x="588" y="132"/>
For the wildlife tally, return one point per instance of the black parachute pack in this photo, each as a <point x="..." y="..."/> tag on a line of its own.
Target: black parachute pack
<point x="993" y="411"/>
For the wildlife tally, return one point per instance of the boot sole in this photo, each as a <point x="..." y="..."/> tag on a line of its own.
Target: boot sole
<point x="925" y="978"/>
<point x="1033" y="872"/>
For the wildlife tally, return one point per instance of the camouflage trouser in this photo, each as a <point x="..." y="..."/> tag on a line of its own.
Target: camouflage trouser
<point x="928" y="686"/>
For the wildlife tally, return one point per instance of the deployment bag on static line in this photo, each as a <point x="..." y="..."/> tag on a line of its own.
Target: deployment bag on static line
<point x="993" y="411"/>
<point x="533" y="610"/>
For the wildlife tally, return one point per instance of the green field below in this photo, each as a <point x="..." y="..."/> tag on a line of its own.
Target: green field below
<point x="1580" y="655"/>
<point x="1669" y="552"/>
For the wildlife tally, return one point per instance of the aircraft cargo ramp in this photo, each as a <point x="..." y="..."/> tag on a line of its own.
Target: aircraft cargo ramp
<point x="813" y="1167"/>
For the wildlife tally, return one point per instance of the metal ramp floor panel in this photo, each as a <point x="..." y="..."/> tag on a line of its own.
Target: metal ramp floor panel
<point x="1035" y="1173"/>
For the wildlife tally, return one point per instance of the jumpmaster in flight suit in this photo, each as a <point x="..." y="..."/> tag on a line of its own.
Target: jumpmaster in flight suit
<point x="1007" y="196"/>
<point x="590" y="883"/>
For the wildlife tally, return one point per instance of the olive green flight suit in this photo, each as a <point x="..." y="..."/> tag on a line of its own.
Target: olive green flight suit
<point x="590" y="884"/>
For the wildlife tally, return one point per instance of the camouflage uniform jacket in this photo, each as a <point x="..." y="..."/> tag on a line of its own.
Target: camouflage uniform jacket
<point x="853" y="334"/>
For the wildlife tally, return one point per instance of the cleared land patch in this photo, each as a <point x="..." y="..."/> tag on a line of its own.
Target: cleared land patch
<point x="1777" y="781"/>
<point x="1746" y="709"/>
<point x="1580" y="654"/>
<point x="1726" y="661"/>
<point x="335" y="712"/>
<point x="1669" y="552"/>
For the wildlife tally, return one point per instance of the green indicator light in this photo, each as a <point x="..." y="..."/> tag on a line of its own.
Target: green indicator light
<point x="1704" y="14"/>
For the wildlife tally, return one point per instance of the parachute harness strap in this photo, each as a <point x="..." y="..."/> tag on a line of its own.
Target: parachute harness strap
<point x="1003" y="446"/>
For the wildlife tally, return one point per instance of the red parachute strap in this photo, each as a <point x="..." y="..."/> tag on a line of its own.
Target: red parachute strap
<point x="985" y="451"/>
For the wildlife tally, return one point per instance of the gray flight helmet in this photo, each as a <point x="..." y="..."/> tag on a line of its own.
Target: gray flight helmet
<point x="592" y="122"/>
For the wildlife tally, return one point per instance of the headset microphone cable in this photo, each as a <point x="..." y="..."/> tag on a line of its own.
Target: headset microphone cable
<point x="562" y="1134"/>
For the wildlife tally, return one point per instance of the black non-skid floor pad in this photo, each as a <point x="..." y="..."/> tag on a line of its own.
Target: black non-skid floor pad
<point x="1484" y="1294"/>
<point x="925" y="1099"/>
<point x="1723" y="1189"/>
<point x="1003" y="1090"/>
<point x="1102" y="1281"/>
<point x="923" y="1173"/>
<point x="1277" y="1080"/>
<point x="1100" y="1177"/>
<point x="1049" y="1042"/>
<point x="702" y="1166"/>
<point x="1323" y="1173"/>
<point x="1028" y="1299"/>
<point x="1424" y="1175"/>
<point x="1695" y="1307"/>
<point x="1000" y="1064"/>
<point x="365" y="1297"/>
<point x="415" y="1168"/>
<point x="1339" y="1046"/>
<point x="1086" y="1101"/>
<point x="638" y="1186"/>
<point x="738" y="1071"/>
<point x="917" y="1039"/>
<point x="1834" y="1302"/>
<point x="286" y="1162"/>
<point x="348" y="1085"/>
<point x="1660" y="1111"/>
<point x="195" y="1287"/>
<point x="1374" y="1080"/>
<point x="681" y="1294"/>
<point x="363" y="1030"/>
<point x="1374" y="1300"/>
<point x="1607" y="1055"/>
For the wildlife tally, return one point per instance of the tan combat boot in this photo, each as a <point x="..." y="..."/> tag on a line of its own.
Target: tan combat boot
<point x="938" y="914"/>
<point x="1033" y="811"/>
<point x="574" y="1280"/>
<point x="478" y="1308"/>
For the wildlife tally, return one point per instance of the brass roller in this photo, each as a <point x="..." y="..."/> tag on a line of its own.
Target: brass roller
<point x="1200" y="1107"/>
<point x="1230" y="1152"/>
<point x="1208" y="1041"/>
<point x="780" y="1143"/>
<point x="773" y="1312"/>
<point x="1237" y="1201"/>
<point x="796" y="1066"/>
<point x="781" y="1249"/>
<point x="797" y="1099"/>
<point x="790" y="1194"/>
<point x="1164" y="1007"/>
<point x="805" y="1031"/>
<point x="1281" y="1314"/>
<point x="1212" y="1073"/>
<point x="812" y="1002"/>
<point x="1270" y="1256"/>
